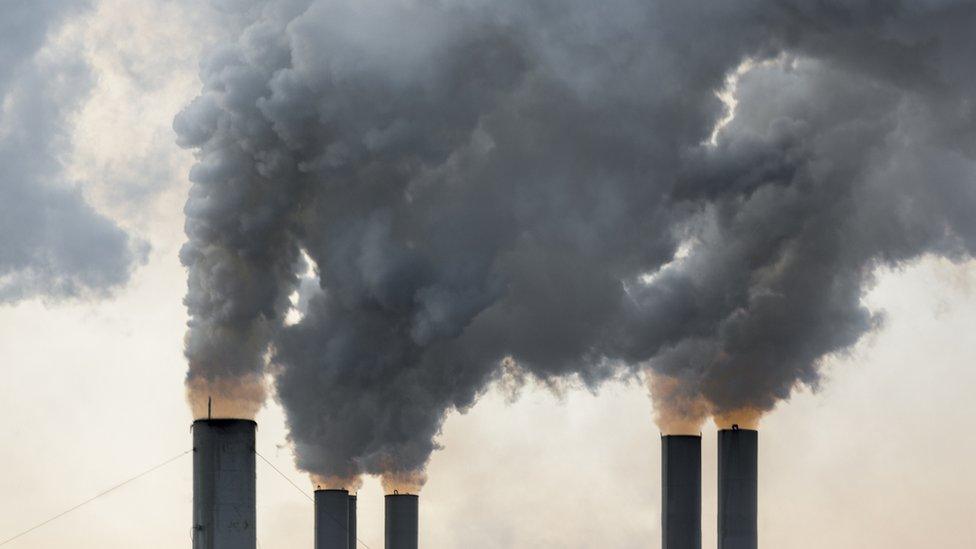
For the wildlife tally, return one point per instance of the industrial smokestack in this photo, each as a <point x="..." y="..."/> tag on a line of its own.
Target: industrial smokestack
<point x="352" y="522"/>
<point x="681" y="492"/>
<point x="224" y="484"/>
<point x="738" y="474"/>
<point x="331" y="519"/>
<point x="402" y="511"/>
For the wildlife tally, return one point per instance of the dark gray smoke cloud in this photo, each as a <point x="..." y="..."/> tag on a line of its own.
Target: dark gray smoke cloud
<point x="53" y="244"/>
<point x="534" y="183"/>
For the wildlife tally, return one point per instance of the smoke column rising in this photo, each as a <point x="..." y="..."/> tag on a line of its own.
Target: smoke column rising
<point x="558" y="186"/>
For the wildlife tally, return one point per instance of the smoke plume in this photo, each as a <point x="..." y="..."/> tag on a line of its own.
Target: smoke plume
<point x="571" y="188"/>
<point x="53" y="243"/>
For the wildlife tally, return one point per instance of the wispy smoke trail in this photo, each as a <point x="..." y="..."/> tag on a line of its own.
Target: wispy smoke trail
<point x="480" y="183"/>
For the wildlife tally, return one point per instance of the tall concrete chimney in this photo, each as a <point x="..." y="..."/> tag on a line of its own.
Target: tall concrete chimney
<point x="738" y="475"/>
<point x="224" y="515"/>
<point x="681" y="492"/>
<point x="353" y="540"/>
<point x="402" y="511"/>
<point x="331" y="519"/>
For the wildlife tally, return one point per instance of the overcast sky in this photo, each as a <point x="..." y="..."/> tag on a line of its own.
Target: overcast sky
<point x="92" y="324"/>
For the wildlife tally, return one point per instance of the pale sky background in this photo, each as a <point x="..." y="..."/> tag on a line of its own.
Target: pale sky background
<point x="880" y="456"/>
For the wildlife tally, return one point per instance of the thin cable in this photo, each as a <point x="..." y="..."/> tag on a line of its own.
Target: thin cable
<point x="284" y="476"/>
<point x="93" y="498"/>
<point x="344" y="527"/>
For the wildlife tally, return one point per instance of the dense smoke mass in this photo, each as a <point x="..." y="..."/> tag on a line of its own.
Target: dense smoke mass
<point x="573" y="189"/>
<point x="54" y="244"/>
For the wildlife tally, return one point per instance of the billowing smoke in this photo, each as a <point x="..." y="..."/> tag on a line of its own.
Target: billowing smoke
<point x="574" y="189"/>
<point x="53" y="243"/>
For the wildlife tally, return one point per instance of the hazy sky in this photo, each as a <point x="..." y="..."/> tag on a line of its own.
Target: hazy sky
<point x="879" y="456"/>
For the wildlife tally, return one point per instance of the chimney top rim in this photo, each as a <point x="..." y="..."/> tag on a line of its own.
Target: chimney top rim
<point x="225" y="420"/>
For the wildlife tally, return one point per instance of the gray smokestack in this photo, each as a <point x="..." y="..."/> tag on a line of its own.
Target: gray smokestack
<point x="402" y="511"/>
<point x="738" y="474"/>
<point x="681" y="492"/>
<point x="331" y="519"/>
<point x="224" y="484"/>
<point x="352" y="522"/>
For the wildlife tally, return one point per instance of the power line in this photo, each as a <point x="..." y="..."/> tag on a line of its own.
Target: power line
<point x="93" y="498"/>
<point x="284" y="476"/>
<point x="304" y="493"/>
<point x="146" y="472"/>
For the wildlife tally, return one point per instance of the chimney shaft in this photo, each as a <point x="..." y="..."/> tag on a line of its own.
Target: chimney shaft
<point x="353" y="541"/>
<point x="681" y="492"/>
<point x="224" y="484"/>
<point x="402" y="512"/>
<point x="331" y="519"/>
<point x="738" y="475"/>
